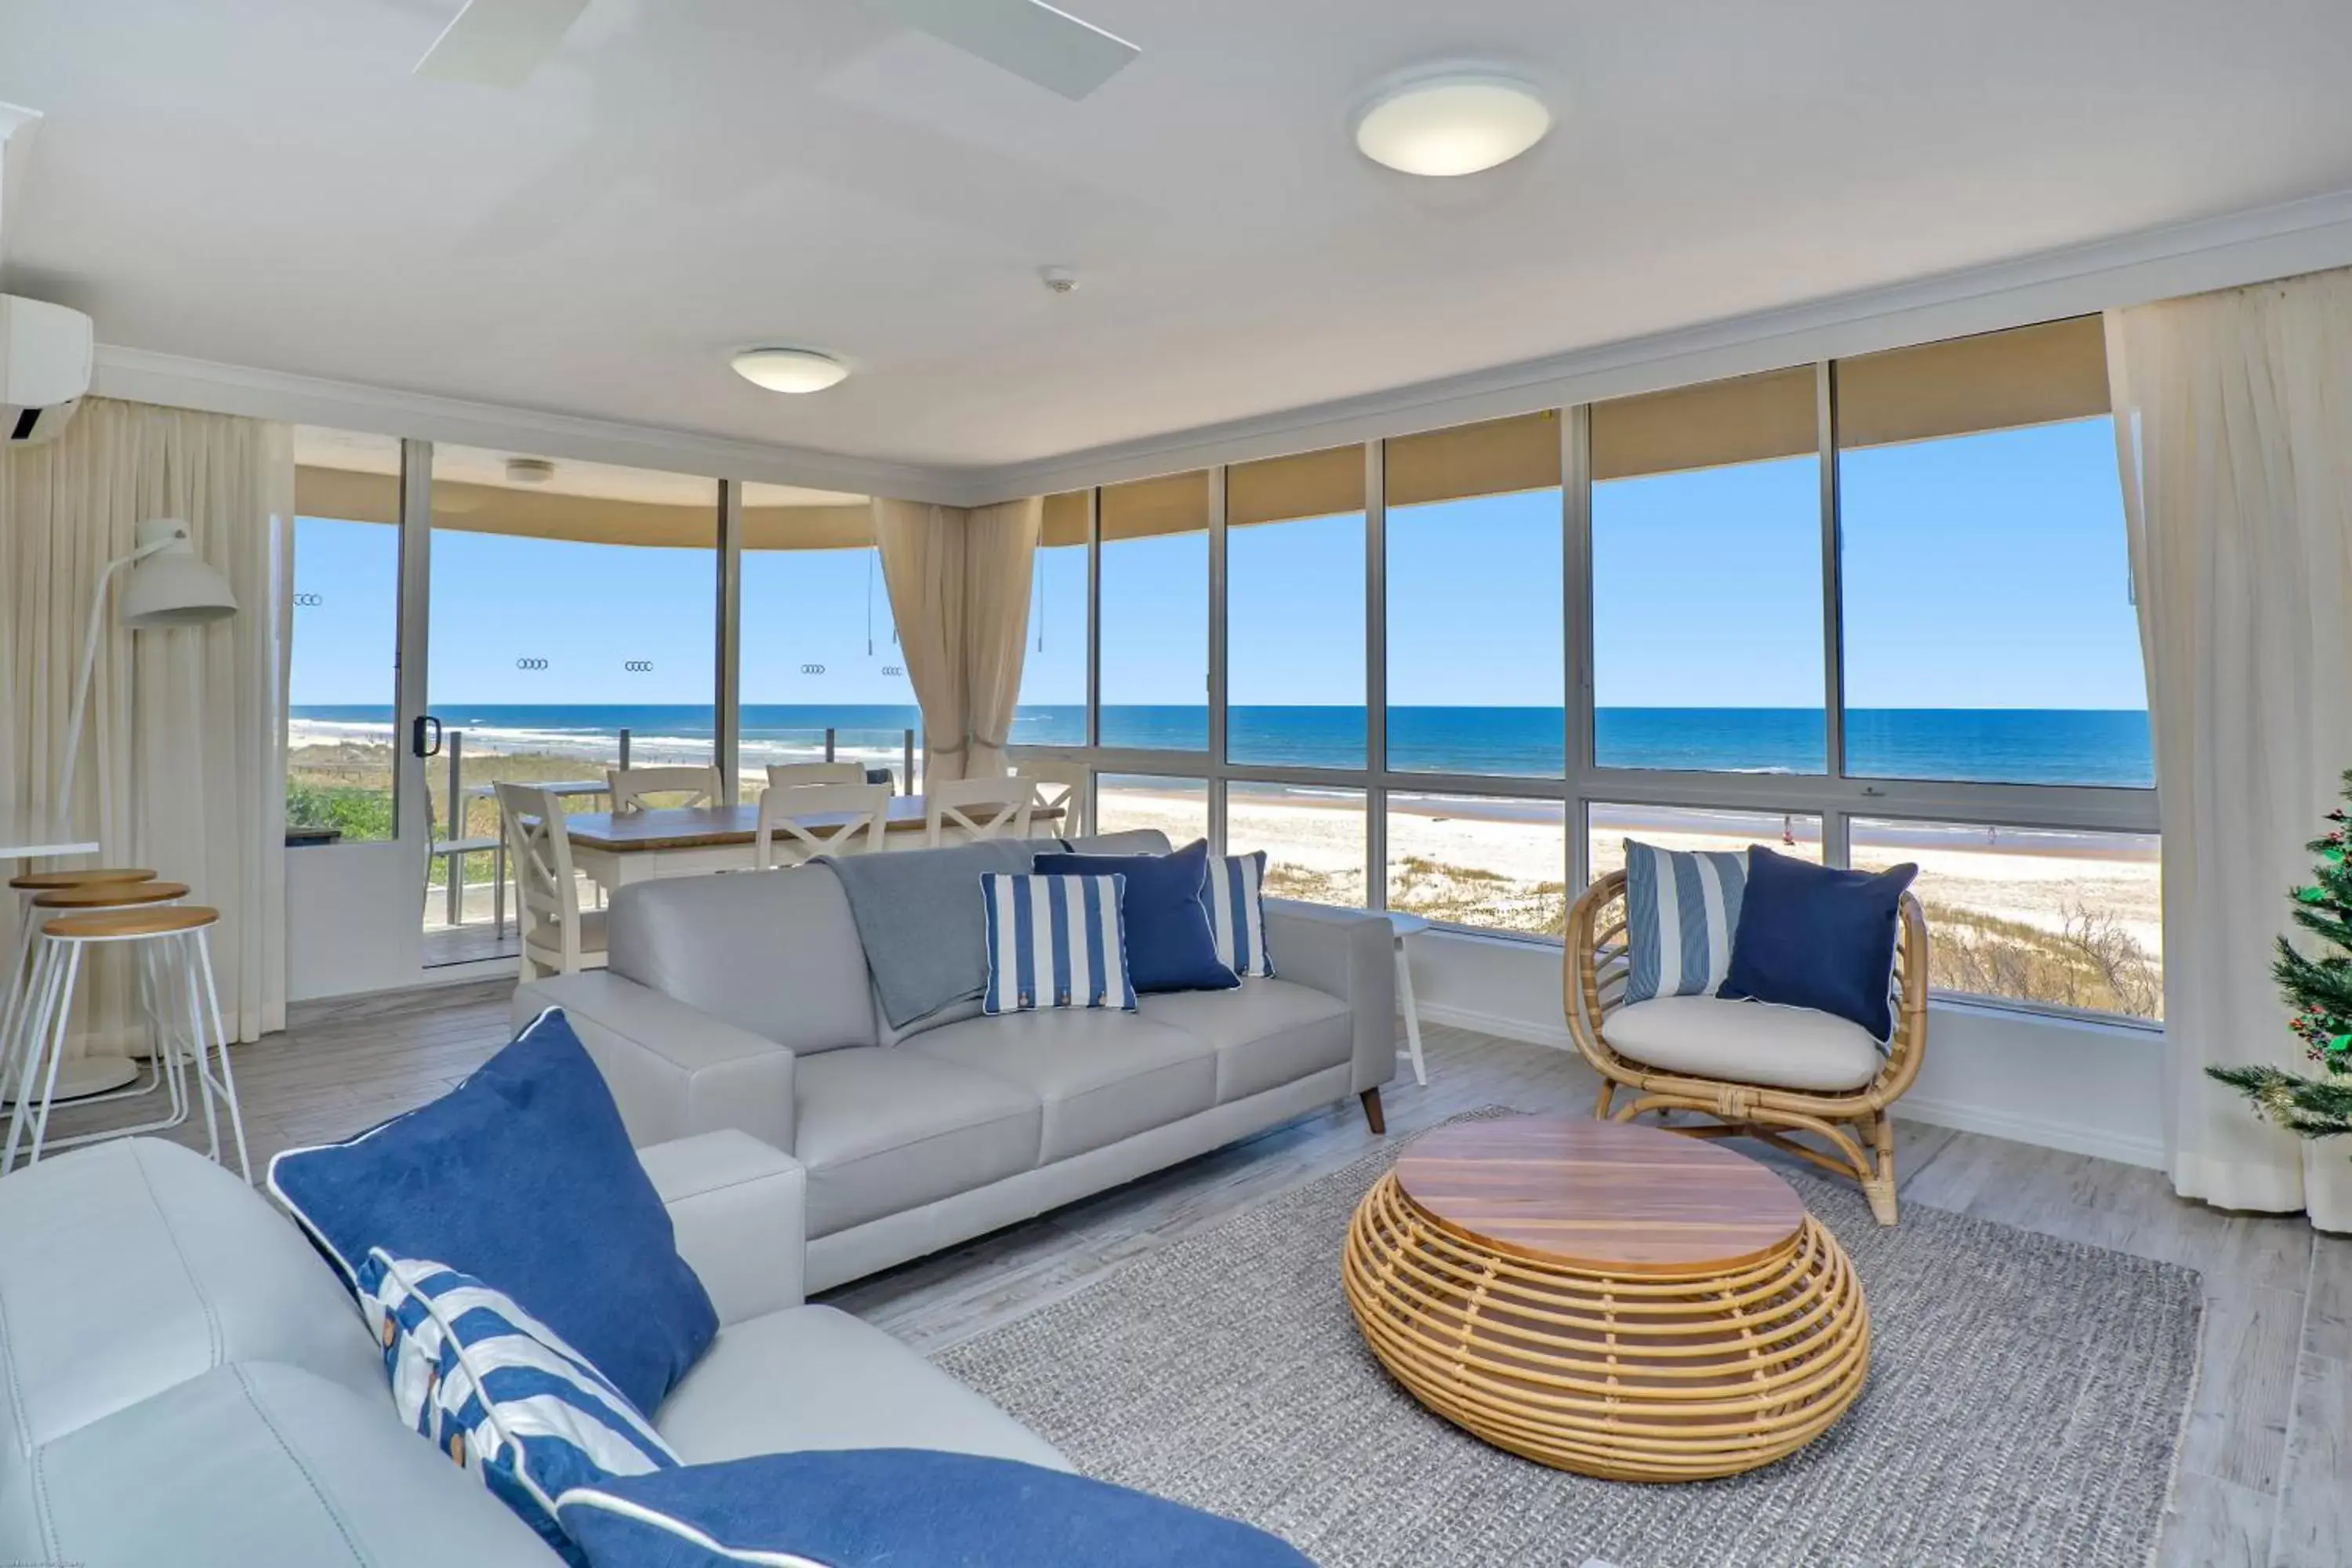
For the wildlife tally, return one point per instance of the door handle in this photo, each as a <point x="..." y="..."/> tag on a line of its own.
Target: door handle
<point x="416" y="736"/>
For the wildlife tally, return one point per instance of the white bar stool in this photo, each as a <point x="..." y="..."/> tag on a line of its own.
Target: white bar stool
<point x="16" y="1029"/>
<point x="76" y="1080"/>
<point x="167" y="934"/>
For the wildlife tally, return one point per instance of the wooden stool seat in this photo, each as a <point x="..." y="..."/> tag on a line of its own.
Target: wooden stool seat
<point x="130" y="922"/>
<point x="110" y="895"/>
<point x="49" y="882"/>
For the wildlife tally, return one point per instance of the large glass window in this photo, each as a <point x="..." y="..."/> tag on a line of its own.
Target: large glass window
<point x="1052" y="711"/>
<point x="1707" y="578"/>
<point x="823" y="674"/>
<point x="1476" y="679"/>
<point x="1479" y="861"/>
<point x="1177" y="807"/>
<point x="1155" y="614"/>
<point x="2061" y="917"/>
<point x="1294" y="612"/>
<point x="343" y="667"/>
<point x="1313" y="837"/>
<point x="1989" y="632"/>
<point x="1795" y="833"/>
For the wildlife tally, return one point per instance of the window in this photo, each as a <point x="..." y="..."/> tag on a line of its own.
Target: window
<point x="1155" y="614"/>
<point x="1052" y="709"/>
<point x="2058" y="917"/>
<point x="1177" y="807"/>
<point x="1707" y="578"/>
<point x="1294" y="612"/>
<point x="822" y="676"/>
<point x="1990" y="633"/>
<point x="1313" y="838"/>
<point x="1476" y="679"/>
<point x="342" y="683"/>
<point x="1479" y="861"/>
<point x="1796" y="833"/>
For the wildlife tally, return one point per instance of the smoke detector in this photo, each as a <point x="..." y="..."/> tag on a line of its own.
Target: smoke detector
<point x="1058" y="279"/>
<point x="529" y="470"/>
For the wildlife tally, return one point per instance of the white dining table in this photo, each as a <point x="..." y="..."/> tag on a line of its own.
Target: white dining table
<point x="612" y="849"/>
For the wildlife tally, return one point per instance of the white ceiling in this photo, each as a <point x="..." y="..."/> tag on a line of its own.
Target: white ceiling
<point x="266" y="184"/>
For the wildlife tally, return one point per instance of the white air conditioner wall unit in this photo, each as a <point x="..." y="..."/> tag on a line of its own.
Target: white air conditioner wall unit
<point x="45" y="367"/>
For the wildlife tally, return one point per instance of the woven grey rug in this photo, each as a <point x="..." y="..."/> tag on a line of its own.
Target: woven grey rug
<point x="2025" y="1399"/>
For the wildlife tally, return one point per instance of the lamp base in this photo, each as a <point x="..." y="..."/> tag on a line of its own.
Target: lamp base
<point x="78" y="1077"/>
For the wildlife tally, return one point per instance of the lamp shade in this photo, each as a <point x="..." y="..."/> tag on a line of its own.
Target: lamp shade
<point x="175" y="586"/>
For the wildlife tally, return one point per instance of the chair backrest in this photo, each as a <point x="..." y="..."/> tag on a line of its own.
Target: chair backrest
<point x="789" y="776"/>
<point x="860" y="811"/>
<point x="540" y="848"/>
<point x="1067" y="785"/>
<point x="978" y="808"/>
<point x="630" y="785"/>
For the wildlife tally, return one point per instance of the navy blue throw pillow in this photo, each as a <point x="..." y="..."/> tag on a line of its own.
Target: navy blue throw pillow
<point x="1810" y="936"/>
<point x="1170" y="945"/>
<point x="523" y="1177"/>
<point x="897" y="1507"/>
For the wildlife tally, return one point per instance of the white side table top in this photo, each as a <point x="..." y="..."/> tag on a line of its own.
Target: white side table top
<point x="1403" y="924"/>
<point x="44" y="851"/>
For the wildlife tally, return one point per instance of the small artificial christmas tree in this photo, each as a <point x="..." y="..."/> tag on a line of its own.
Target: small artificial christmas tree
<point x="2319" y="990"/>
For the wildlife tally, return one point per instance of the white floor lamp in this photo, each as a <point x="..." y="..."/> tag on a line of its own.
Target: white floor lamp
<point x="169" y="585"/>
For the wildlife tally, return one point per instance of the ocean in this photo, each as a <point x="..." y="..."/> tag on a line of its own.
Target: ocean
<point x="2000" y="745"/>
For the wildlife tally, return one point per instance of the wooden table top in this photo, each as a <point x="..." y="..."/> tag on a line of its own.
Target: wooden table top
<point x="718" y="826"/>
<point x="1600" y="1195"/>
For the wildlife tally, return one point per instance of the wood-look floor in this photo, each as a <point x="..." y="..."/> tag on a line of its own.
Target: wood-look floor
<point x="2265" y="1477"/>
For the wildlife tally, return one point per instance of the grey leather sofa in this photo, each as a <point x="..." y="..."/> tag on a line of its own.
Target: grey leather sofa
<point x="187" y="1382"/>
<point x="744" y="1002"/>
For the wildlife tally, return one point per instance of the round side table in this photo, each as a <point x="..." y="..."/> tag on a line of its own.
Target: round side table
<point x="1616" y="1300"/>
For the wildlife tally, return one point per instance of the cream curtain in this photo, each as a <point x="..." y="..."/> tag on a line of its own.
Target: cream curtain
<point x="182" y="762"/>
<point x="959" y="585"/>
<point x="2233" y="417"/>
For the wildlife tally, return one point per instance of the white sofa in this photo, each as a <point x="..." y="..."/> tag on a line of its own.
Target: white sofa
<point x="187" y="1382"/>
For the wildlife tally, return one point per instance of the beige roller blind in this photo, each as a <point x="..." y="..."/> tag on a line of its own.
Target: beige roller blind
<point x="1747" y="419"/>
<point x="1066" y="520"/>
<point x="1143" y="509"/>
<point x="357" y="496"/>
<point x="1313" y="484"/>
<point x="346" y="494"/>
<point x="1996" y="381"/>
<point x="1499" y="457"/>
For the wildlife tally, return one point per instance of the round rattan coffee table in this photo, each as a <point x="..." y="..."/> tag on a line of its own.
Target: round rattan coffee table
<point x="1617" y="1300"/>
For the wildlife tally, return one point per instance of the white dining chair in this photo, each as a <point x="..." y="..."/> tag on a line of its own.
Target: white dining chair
<point x="1067" y="785"/>
<point x="629" y="786"/>
<point x="862" y="811"/>
<point x="791" y="775"/>
<point x="978" y="808"/>
<point x="558" y="936"/>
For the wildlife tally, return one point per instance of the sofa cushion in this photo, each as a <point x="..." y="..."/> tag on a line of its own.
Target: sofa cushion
<point x="892" y="1508"/>
<point x="522" y="1176"/>
<point x="1100" y="1076"/>
<point x="812" y="1378"/>
<point x="886" y="1129"/>
<point x="1170" y="945"/>
<point x="131" y="1265"/>
<point x="1745" y="1042"/>
<point x="1815" y="936"/>
<point x="776" y="954"/>
<point x="1267" y="1033"/>
<point x="1055" y="942"/>
<point x="255" y="1463"/>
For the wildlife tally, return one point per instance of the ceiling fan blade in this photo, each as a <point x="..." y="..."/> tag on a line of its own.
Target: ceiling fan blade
<point x="499" y="43"/>
<point x="1028" y="37"/>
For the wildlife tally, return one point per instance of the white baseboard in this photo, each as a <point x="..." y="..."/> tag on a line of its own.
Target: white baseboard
<point x="2035" y="1129"/>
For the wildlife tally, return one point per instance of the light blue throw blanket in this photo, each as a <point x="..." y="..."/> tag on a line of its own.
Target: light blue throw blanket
<point x="919" y="917"/>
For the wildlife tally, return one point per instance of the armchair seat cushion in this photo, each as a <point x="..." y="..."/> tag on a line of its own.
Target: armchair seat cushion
<point x="1745" y="1042"/>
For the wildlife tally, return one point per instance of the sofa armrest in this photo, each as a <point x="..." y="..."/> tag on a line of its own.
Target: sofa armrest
<point x="739" y="1209"/>
<point x="1348" y="954"/>
<point x="673" y="1070"/>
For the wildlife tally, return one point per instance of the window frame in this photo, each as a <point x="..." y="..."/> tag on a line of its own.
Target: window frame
<point x="1835" y="796"/>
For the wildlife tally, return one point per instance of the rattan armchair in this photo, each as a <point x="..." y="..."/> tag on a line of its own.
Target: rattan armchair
<point x="1855" y="1124"/>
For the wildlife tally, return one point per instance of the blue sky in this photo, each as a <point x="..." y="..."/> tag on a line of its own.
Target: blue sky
<point x="1984" y="571"/>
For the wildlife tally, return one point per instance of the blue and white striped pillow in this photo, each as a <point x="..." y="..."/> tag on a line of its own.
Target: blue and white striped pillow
<point x="1682" y="909"/>
<point x="1235" y="894"/>
<point x="499" y="1392"/>
<point x="1055" y="942"/>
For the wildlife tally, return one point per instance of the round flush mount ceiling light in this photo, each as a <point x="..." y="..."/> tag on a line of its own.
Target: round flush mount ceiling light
<point x="790" y="370"/>
<point x="1451" y="124"/>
